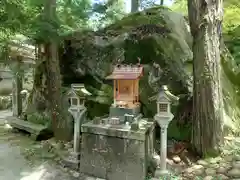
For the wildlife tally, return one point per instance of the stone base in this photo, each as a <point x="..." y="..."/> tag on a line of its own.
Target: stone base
<point x="162" y="174"/>
<point x="72" y="160"/>
<point x="115" y="153"/>
<point x="120" y="112"/>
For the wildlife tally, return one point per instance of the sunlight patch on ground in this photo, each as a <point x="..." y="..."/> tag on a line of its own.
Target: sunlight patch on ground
<point x="35" y="175"/>
<point x="7" y="126"/>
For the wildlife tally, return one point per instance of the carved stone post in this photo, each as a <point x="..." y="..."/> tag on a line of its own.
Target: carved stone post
<point x="17" y="86"/>
<point x="163" y="122"/>
<point x="73" y="159"/>
<point x="78" y="119"/>
<point x="163" y="148"/>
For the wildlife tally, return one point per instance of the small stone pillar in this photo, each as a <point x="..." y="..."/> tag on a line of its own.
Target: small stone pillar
<point x="163" y="118"/>
<point x="17" y="86"/>
<point x="77" y="108"/>
<point x="77" y="116"/>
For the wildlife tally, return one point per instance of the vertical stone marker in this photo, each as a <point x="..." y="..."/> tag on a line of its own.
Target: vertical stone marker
<point x="17" y="86"/>
<point x="163" y="118"/>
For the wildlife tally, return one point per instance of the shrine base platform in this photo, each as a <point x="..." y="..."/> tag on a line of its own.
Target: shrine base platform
<point x="115" y="152"/>
<point x="116" y="111"/>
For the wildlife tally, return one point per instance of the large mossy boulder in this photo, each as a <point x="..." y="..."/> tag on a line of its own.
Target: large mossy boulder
<point x="161" y="39"/>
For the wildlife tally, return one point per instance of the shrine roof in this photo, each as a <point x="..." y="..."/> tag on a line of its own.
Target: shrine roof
<point x="126" y="72"/>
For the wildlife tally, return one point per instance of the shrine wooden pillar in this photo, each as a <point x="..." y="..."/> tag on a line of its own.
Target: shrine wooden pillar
<point x="133" y="93"/>
<point x="118" y="90"/>
<point x="137" y="89"/>
<point x="114" y="91"/>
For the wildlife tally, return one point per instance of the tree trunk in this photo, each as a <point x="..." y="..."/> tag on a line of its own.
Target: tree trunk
<point x="134" y="5"/>
<point x="205" y="22"/>
<point x="161" y="2"/>
<point x="59" y="123"/>
<point x="37" y="101"/>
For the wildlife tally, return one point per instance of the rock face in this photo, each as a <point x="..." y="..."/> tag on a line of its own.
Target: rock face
<point x="161" y="39"/>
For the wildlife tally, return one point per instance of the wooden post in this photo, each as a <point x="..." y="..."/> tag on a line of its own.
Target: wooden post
<point x="137" y="89"/>
<point x="114" y="91"/>
<point x="117" y="88"/>
<point x="17" y="86"/>
<point x="133" y="91"/>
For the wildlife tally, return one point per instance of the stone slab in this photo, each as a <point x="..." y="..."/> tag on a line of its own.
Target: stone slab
<point x="121" y="131"/>
<point x="32" y="128"/>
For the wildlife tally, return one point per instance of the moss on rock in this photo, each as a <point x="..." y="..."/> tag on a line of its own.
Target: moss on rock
<point x="162" y="40"/>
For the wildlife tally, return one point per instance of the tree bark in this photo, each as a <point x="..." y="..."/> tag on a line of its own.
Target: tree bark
<point x="205" y="22"/>
<point x="59" y="123"/>
<point x="37" y="101"/>
<point x="161" y="2"/>
<point x="134" y="5"/>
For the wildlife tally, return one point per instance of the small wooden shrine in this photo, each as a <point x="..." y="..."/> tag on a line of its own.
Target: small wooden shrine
<point x="126" y="85"/>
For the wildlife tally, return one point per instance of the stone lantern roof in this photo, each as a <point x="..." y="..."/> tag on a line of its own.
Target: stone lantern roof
<point x="166" y="96"/>
<point x="78" y="90"/>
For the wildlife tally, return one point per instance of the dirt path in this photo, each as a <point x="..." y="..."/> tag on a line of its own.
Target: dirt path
<point x="23" y="159"/>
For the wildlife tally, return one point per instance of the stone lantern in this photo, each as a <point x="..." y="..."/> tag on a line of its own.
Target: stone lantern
<point x="77" y="96"/>
<point x="163" y="118"/>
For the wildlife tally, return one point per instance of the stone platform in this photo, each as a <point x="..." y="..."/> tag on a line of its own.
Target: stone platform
<point x="115" y="152"/>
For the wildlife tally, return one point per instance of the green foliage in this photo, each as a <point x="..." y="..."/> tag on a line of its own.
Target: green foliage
<point x="107" y="12"/>
<point x="231" y="17"/>
<point x="138" y="19"/>
<point x="73" y="14"/>
<point x="231" y="28"/>
<point x="180" y="6"/>
<point x="39" y="118"/>
<point x="27" y="17"/>
<point x="231" y="24"/>
<point x="13" y="15"/>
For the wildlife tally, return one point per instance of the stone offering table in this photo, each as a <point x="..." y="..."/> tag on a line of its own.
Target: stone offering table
<point x="116" y="152"/>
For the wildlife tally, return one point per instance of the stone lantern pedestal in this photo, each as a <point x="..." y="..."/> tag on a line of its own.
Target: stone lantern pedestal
<point x="72" y="158"/>
<point x="163" y="122"/>
<point x="77" y="115"/>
